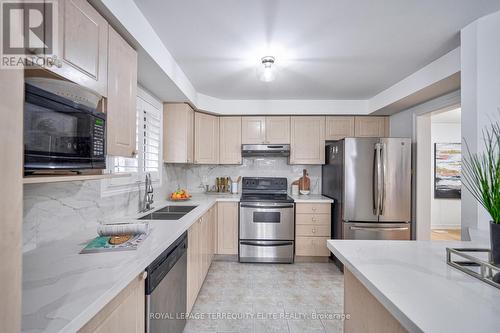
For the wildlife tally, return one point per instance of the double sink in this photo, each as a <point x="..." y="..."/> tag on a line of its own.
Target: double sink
<point x="168" y="213"/>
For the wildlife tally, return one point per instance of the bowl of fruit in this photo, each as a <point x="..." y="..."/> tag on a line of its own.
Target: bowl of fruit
<point x="180" y="195"/>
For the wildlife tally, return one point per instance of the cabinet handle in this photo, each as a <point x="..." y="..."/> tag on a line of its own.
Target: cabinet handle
<point x="314" y="219"/>
<point x="144" y="275"/>
<point x="313" y="209"/>
<point x="314" y="231"/>
<point x="134" y="152"/>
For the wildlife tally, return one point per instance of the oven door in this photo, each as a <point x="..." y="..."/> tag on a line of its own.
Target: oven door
<point x="267" y="221"/>
<point x="60" y="136"/>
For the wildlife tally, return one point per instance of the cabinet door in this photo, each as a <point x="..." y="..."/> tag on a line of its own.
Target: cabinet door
<point x="338" y="127"/>
<point x="307" y="140"/>
<point x="192" y="265"/>
<point x="278" y="130"/>
<point x="204" y="236"/>
<point x="122" y="97"/>
<point x="253" y="130"/>
<point x="227" y="228"/>
<point x="124" y="314"/>
<point x="178" y="133"/>
<point x="83" y="45"/>
<point x="230" y="140"/>
<point x="372" y="127"/>
<point x="311" y="246"/>
<point x="206" y="139"/>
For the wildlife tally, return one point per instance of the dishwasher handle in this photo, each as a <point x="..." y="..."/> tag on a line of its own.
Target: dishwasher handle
<point x="164" y="263"/>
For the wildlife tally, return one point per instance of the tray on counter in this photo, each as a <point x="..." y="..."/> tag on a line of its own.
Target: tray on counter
<point x="475" y="262"/>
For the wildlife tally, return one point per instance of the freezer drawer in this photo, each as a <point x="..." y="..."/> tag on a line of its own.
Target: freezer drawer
<point x="266" y="251"/>
<point x="382" y="231"/>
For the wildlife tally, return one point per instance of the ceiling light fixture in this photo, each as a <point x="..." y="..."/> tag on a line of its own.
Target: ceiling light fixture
<point x="267" y="72"/>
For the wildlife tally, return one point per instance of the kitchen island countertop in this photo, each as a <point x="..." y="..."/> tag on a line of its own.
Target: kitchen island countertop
<point x="412" y="280"/>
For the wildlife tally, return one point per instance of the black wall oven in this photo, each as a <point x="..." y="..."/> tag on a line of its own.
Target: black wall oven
<point x="61" y="134"/>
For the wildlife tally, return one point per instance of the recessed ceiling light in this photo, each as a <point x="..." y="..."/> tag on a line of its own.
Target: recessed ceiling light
<point x="267" y="72"/>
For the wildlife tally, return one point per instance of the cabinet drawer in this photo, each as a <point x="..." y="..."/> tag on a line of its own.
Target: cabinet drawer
<point x="313" y="208"/>
<point x="312" y="246"/>
<point x="312" y="230"/>
<point x="317" y="219"/>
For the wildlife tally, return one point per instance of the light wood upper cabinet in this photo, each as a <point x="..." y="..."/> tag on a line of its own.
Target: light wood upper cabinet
<point x="178" y="133"/>
<point x="253" y="130"/>
<point x="265" y="130"/>
<point x="122" y="97"/>
<point x="277" y="130"/>
<point x="307" y="140"/>
<point x="82" y="46"/>
<point x="371" y="126"/>
<point x="339" y="127"/>
<point x="206" y="139"/>
<point x="227" y="228"/>
<point x="124" y="314"/>
<point x="230" y="140"/>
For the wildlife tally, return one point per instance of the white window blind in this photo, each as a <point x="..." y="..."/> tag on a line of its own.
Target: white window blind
<point x="148" y="148"/>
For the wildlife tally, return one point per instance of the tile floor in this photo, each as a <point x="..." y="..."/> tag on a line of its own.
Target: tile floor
<point x="302" y="297"/>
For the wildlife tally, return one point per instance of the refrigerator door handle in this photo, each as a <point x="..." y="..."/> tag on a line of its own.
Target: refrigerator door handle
<point x="375" y="181"/>
<point x="382" y="182"/>
<point x="380" y="228"/>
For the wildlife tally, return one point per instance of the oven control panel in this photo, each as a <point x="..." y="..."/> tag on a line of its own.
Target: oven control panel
<point x="264" y="183"/>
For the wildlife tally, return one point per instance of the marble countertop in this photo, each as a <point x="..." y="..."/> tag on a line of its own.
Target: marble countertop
<point x="62" y="289"/>
<point x="311" y="198"/>
<point x="412" y="280"/>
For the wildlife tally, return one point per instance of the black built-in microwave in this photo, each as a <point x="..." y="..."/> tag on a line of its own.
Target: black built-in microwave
<point x="61" y="134"/>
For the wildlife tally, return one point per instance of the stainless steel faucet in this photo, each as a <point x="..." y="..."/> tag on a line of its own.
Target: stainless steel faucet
<point x="147" y="202"/>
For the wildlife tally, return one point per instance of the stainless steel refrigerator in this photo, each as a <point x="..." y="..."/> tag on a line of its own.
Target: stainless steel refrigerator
<point x="370" y="181"/>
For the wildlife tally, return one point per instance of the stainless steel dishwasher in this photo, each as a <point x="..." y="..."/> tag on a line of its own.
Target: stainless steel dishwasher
<point x="166" y="289"/>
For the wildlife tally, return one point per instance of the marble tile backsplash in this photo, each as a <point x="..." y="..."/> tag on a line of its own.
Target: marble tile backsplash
<point x="191" y="176"/>
<point x="54" y="211"/>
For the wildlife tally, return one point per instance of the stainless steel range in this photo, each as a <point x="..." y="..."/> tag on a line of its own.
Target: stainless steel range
<point x="267" y="221"/>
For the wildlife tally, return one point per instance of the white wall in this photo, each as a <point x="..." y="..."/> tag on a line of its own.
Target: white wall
<point x="445" y="213"/>
<point x="480" y="79"/>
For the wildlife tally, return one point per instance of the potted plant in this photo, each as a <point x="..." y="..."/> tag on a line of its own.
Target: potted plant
<point x="481" y="174"/>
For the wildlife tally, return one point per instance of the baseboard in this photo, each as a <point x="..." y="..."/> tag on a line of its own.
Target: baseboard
<point x="311" y="259"/>
<point x="226" y="257"/>
<point x="446" y="226"/>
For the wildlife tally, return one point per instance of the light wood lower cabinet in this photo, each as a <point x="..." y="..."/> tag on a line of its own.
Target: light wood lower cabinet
<point x="367" y="313"/>
<point x="200" y="253"/>
<point x="122" y="97"/>
<point x="227" y="228"/>
<point x="313" y="229"/>
<point x="124" y="314"/>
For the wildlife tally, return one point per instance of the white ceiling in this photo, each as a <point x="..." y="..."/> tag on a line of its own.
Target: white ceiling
<point x="326" y="49"/>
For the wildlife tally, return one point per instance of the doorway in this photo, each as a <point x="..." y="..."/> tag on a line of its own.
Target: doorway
<point x="438" y="175"/>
